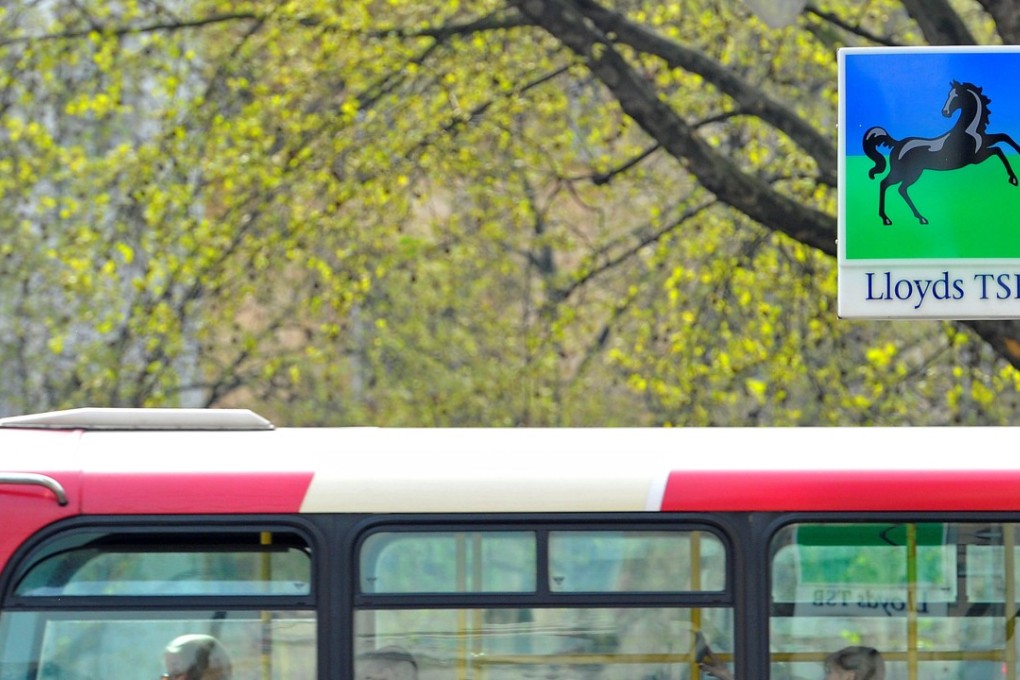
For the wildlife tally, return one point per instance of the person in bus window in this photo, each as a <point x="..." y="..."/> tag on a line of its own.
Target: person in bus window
<point x="387" y="663"/>
<point x="849" y="663"/>
<point x="855" y="663"/>
<point x="196" y="657"/>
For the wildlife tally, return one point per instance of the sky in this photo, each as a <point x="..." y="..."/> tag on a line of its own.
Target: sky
<point x="903" y="90"/>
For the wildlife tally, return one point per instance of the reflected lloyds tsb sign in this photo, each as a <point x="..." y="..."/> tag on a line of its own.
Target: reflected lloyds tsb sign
<point x="929" y="202"/>
<point x="864" y="600"/>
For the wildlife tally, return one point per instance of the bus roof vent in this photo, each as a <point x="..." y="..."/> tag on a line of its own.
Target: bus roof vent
<point x="142" y="419"/>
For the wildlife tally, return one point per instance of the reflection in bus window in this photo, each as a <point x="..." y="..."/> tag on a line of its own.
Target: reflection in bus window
<point x="199" y="656"/>
<point x="96" y="604"/>
<point x="937" y="599"/>
<point x="549" y="644"/>
<point x="573" y="635"/>
<point x="103" y="563"/>
<point x="448" y="562"/>
<point x="81" y="645"/>
<point x="386" y="663"/>
<point x="604" y="561"/>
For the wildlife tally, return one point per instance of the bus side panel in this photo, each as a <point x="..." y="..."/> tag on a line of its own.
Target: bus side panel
<point x="194" y="472"/>
<point x="842" y="490"/>
<point x="24" y="509"/>
<point x="113" y="493"/>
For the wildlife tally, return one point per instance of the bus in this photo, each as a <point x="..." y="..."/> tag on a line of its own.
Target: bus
<point x="500" y="554"/>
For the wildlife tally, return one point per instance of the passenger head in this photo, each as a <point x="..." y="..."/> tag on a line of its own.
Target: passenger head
<point x="196" y="657"/>
<point x="855" y="663"/>
<point x="386" y="663"/>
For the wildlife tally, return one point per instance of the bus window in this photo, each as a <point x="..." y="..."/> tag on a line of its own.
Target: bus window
<point x="424" y="562"/>
<point x="606" y="625"/>
<point x="94" y="604"/>
<point x="603" y="561"/>
<point x="938" y="600"/>
<point x="97" y="563"/>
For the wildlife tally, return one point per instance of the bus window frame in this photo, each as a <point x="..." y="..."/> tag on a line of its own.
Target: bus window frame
<point x="336" y="538"/>
<point x="720" y="525"/>
<point x="542" y="525"/>
<point x="154" y="525"/>
<point x="780" y="521"/>
<point x="316" y="601"/>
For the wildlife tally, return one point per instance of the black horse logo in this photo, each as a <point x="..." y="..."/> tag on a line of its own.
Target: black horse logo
<point x="964" y="144"/>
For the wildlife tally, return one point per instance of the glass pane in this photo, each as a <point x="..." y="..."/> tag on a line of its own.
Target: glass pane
<point x="936" y="600"/>
<point x="607" y="561"/>
<point x="449" y="562"/>
<point x="539" y="643"/>
<point x="230" y="564"/>
<point x="73" y="645"/>
<point x="833" y="564"/>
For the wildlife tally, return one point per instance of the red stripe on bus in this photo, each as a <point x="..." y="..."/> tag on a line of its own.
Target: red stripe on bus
<point x="24" y="510"/>
<point x="193" y="493"/>
<point x="849" y="490"/>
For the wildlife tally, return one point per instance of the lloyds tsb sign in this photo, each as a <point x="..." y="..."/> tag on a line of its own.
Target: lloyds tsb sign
<point x="929" y="202"/>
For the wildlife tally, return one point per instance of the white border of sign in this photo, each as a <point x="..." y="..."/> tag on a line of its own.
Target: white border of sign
<point x="892" y="288"/>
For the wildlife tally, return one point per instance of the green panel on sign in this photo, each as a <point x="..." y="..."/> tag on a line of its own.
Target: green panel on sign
<point x="864" y="561"/>
<point x="868" y="534"/>
<point x="972" y="212"/>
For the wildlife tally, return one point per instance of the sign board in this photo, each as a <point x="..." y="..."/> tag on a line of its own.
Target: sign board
<point x="929" y="202"/>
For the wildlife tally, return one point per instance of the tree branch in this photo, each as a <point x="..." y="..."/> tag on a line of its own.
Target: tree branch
<point x="751" y="100"/>
<point x="607" y="176"/>
<point x="643" y="241"/>
<point x="750" y="195"/>
<point x="831" y="18"/>
<point x="169" y="26"/>
<point x="939" y="22"/>
<point x="491" y="22"/>
<point x="1006" y="14"/>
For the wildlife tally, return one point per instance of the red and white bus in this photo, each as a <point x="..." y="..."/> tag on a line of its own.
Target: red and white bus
<point x="493" y="554"/>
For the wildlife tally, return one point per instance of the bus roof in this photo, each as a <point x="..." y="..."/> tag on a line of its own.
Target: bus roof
<point x="141" y="419"/>
<point x="202" y="471"/>
<point x="120" y="465"/>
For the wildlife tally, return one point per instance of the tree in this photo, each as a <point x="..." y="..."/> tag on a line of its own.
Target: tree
<point x="597" y="34"/>
<point x="525" y="212"/>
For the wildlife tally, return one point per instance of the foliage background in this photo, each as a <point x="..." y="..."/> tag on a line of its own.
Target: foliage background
<point x="404" y="213"/>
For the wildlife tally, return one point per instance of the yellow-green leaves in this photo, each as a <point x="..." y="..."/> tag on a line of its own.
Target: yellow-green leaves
<point x="429" y="214"/>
